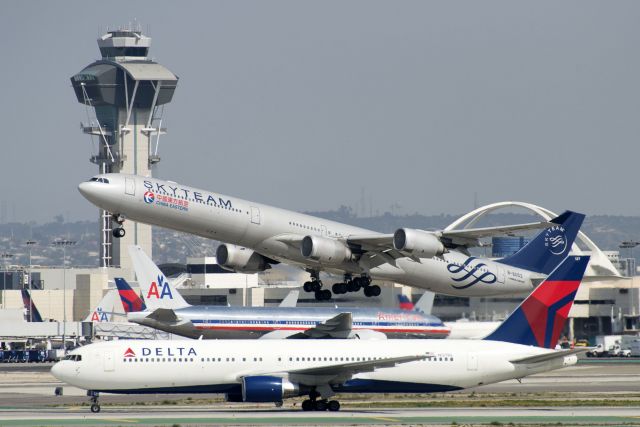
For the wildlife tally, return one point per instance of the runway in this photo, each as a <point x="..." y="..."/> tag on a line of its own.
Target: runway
<point x="579" y="395"/>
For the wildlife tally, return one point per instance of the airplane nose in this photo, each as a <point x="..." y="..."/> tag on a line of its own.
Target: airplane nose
<point x="85" y="189"/>
<point x="56" y="371"/>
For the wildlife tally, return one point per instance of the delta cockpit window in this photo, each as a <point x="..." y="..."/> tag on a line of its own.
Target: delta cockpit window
<point x="98" y="179"/>
<point x="73" y="357"/>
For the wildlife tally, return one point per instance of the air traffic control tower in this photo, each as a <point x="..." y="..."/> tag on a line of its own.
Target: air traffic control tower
<point x="124" y="93"/>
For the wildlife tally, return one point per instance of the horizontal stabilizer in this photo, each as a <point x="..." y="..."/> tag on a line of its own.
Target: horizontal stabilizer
<point x="165" y="315"/>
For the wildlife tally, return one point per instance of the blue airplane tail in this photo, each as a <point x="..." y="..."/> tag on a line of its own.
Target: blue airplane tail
<point x="405" y="303"/>
<point x="131" y="302"/>
<point x="539" y="320"/>
<point x="549" y="248"/>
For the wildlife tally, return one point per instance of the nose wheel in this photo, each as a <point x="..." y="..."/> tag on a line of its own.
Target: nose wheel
<point x="95" y="405"/>
<point x="118" y="232"/>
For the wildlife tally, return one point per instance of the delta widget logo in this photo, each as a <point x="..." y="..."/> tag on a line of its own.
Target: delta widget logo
<point x="149" y="197"/>
<point x="555" y="240"/>
<point x="129" y="353"/>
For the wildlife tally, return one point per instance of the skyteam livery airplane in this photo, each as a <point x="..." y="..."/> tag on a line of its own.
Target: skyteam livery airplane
<point x="257" y="236"/>
<point x="165" y="309"/>
<point x="271" y="370"/>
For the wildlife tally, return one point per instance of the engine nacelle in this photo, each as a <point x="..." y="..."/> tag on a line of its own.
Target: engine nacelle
<point x="241" y="260"/>
<point x="324" y="250"/>
<point x="417" y="242"/>
<point x="261" y="388"/>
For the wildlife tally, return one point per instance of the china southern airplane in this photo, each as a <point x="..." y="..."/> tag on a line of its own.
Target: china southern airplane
<point x="165" y="309"/>
<point x="256" y="236"/>
<point x="272" y="370"/>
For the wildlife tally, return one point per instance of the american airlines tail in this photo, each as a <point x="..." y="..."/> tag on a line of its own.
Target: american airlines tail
<point x="549" y="248"/>
<point x="156" y="289"/>
<point x="539" y="320"/>
<point x="131" y="301"/>
<point x="105" y="308"/>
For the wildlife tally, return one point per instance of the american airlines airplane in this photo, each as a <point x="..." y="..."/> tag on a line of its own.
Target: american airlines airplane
<point x="272" y="370"/>
<point x="256" y="236"/>
<point x="165" y="309"/>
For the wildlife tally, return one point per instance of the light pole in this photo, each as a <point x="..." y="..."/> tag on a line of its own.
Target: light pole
<point x="63" y="244"/>
<point x="29" y="244"/>
<point x="629" y="244"/>
<point x="5" y="256"/>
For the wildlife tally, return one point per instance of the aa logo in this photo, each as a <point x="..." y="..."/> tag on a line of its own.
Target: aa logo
<point x="159" y="290"/>
<point x="99" y="316"/>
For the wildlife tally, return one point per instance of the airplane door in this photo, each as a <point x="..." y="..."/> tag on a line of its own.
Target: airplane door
<point x="472" y="362"/>
<point x="109" y="361"/>
<point x="255" y="215"/>
<point x="499" y="274"/>
<point x="130" y="186"/>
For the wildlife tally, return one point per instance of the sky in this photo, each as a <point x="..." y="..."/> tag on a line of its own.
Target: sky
<point x="420" y="106"/>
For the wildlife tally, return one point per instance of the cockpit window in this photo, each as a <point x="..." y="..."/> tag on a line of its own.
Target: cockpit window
<point x="97" y="179"/>
<point x="73" y="357"/>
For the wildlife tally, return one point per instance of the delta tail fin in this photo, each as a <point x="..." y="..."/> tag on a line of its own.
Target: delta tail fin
<point x="404" y="303"/>
<point x="131" y="301"/>
<point x="32" y="314"/>
<point x="424" y="304"/>
<point x="549" y="248"/>
<point x="540" y="318"/>
<point x="156" y="289"/>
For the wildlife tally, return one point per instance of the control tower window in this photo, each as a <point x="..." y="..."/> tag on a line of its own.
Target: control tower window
<point x="110" y="52"/>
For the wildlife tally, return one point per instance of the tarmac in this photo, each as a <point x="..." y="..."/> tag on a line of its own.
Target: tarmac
<point x="27" y="398"/>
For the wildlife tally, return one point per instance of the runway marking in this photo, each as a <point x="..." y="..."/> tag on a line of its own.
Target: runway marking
<point x="386" y="419"/>
<point x="121" y="420"/>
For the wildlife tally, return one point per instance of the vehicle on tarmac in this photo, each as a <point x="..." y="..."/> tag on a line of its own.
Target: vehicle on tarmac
<point x="272" y="370"/>
<point x="256" y="236"/>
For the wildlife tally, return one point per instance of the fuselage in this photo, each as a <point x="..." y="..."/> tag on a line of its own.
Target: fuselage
<point x="265" y="229"/>
<point x="213" y="322"/>
<point x="196" y="366"/>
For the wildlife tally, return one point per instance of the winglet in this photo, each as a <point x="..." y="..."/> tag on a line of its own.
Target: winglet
<point x="540" y="318"/>
<point x="291" y="300"/>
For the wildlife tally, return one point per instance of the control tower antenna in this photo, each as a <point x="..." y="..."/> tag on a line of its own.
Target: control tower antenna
<point x="124" y="93"/>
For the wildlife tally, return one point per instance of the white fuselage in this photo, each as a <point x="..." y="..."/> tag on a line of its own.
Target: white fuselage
<point x="192" y="366"/>
<point x="266" y="229"/>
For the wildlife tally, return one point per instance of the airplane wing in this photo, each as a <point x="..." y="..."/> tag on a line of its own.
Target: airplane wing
<point x="337" y="327"/>
<point x="550" y="356"/>
<point x="338" y="373"/>
<point x="471" y="236"/>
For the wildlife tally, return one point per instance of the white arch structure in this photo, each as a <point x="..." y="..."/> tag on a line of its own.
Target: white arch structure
<point x="599" y="265"/>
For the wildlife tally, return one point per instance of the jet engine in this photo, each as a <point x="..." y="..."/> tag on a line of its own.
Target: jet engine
<point x="261" y="388"/>
<point x="326" y="251"/>
<point x="241" y="260"/>
<point x="420" y="243"/>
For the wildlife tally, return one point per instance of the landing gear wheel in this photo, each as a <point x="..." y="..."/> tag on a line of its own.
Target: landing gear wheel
<point x="367" y="291"/>
<point x="95" y="408"/>
<point x="119" y="232"/>
<point x="307" y="405"/>
<point x="323" y="295"/>
<point x="315" y="286"/>
<point x="375" y="290"/>
<point x="333" y="405"/>
<point x="307" y="286"/>
<point x="339" y="288"/>
<point x="321" y="405"/>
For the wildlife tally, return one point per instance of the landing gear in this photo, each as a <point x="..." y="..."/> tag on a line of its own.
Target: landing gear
<point x="315" y="404"/>
<point x="95" y="405"/>
<point x="348" y="285"/>
<point x="315" y="285"/>
<point x="118" y="232"/>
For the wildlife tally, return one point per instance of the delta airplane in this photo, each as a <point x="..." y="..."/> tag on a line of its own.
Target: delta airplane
<point x="165" y="309"/>
<point x="272" y="370"/>
<point x="256" y="236"/>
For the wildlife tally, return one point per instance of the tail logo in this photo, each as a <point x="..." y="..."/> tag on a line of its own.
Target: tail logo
<point x="99" y="316"/>
<point x="149" y="197"/>
<point x="555" y="240"/>
<point x="471" y="274"/>
<point x="129" y="353"/>
<point x="159" y="290"/>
